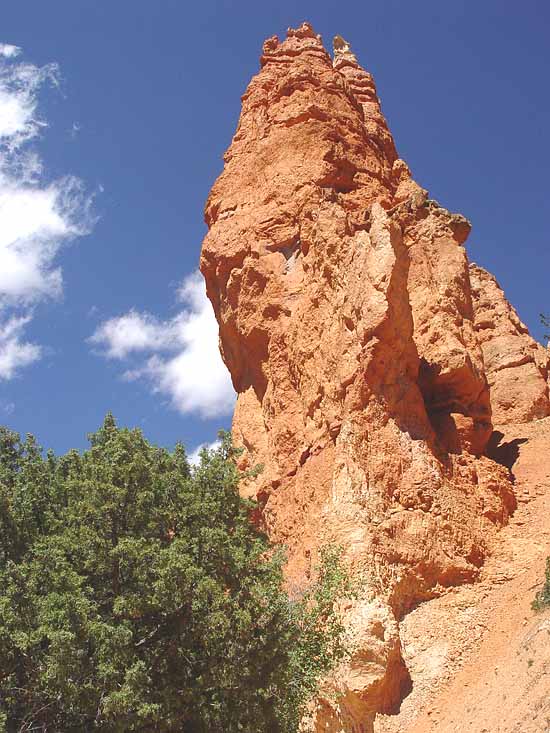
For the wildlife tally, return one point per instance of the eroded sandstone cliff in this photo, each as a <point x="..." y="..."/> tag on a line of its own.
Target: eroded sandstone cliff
<point x="356" y="335"/>
<point x="515" y="364"/>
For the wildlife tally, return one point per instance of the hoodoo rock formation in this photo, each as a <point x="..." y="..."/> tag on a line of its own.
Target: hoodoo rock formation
<point x="363" y="348"/>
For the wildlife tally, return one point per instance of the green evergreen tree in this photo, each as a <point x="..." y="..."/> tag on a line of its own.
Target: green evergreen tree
<point x="135" y="595"/>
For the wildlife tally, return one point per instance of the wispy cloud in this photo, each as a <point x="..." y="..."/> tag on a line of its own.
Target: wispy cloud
<point x="195" y="456"/>
<point x="15" y="353"/>
<point x="178" y="357"/>
<point x="7" y="408"/>
<point x="36" y="216"/>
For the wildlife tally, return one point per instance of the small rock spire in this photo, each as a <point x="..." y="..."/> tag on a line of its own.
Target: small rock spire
<point x="342" y="52"/>
<point x="362" y="85"/>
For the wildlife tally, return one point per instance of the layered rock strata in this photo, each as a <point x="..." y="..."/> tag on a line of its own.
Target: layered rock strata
<point x="516" y="365"/>
<point x="345" y="304"/>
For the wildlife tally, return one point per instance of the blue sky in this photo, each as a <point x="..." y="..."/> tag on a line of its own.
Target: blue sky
<point x="142" y="103"/>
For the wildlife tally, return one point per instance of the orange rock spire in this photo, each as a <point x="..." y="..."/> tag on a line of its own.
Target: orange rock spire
<point x="344" y="299"/>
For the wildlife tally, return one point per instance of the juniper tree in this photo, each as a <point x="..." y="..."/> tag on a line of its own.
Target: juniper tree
<point x="135" y="595"/>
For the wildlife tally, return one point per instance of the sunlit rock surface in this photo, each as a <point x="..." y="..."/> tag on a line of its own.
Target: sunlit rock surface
<point x="356" y="335"/>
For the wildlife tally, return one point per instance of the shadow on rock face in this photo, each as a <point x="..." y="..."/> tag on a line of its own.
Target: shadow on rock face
<point x="506" y="453"/>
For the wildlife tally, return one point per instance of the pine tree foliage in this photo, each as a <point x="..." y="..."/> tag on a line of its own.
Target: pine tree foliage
<point x="135" y="595"/>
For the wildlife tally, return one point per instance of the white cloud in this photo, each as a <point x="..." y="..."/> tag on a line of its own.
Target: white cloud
<point x="19" y="86"/>
<point x="134" y="332"/>
<point x="180" y="356"/>
<point x="14" y="352"/>
<point x="34" y="223"/>
<point x="195" y="456"/>
<point x="9" y="51"/>
<point x="36" y="217"/>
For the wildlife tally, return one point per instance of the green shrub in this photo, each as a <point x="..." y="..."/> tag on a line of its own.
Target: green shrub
<point x="135" y="595"/>
<point x="542" y="598"/>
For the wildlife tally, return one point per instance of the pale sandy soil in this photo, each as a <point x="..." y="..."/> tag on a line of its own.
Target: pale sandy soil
<point x="479" y="656"/>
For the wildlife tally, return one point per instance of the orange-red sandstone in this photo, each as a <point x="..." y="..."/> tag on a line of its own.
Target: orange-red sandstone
<point x="350" y="322"/>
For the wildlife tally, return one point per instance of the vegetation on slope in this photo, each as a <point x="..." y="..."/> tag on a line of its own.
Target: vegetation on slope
<point x="542" y="598"/>
<point x="135" y="595"/>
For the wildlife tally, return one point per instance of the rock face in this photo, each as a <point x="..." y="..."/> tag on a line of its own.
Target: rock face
<point x="516" y="365"/>
<point x="346" y="311"/>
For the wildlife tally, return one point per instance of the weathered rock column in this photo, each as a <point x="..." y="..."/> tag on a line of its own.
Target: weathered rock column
<point x="346" y="321"/>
